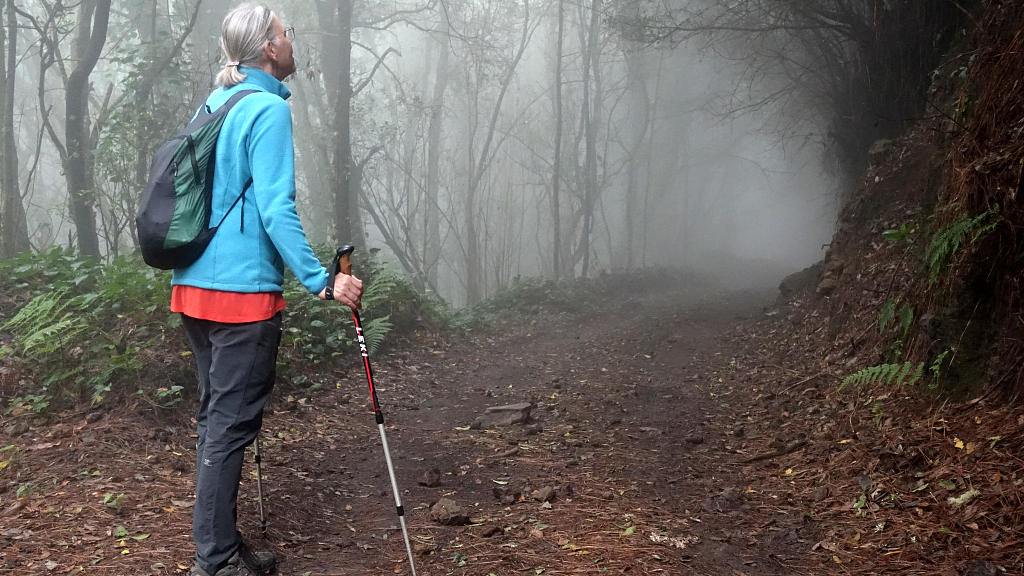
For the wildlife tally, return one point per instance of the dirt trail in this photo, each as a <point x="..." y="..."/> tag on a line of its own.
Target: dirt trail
<point x="636" y="430"/>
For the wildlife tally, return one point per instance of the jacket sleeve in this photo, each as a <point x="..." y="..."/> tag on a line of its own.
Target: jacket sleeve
<point x="272" y="163"/>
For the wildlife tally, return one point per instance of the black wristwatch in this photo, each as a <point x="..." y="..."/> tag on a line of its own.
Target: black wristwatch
<point x="329" y="292"/>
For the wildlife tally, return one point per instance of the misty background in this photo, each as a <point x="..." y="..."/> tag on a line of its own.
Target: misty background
<point x="474" y="142"/>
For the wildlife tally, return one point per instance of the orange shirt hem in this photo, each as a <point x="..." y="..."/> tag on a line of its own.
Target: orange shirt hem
<point x="227" y="307"/>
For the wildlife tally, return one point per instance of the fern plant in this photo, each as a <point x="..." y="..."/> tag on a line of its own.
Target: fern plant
<point x="906" y="373"/>
<point x="900" y="319"/>
<point x="886" y="315"/>
<point x="316" y="331"/>
<point x="47" y="323"/>
<point x="380" y="290"/>
<point x="89" y="342"/>
<point x="91" y="345"/>
<point x="948" y="239"/>
<point x="375" y="331"/>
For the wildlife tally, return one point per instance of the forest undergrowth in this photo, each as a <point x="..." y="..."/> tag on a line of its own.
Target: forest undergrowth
<point x="73" y="330"/>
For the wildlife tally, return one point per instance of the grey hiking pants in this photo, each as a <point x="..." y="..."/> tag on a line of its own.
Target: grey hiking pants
<point x="236" y="365"/>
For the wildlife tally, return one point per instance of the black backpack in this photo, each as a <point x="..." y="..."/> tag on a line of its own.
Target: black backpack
<point x="173" y="219"/>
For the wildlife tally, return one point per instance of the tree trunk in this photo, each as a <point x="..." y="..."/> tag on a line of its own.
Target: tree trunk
<point x="346" y="202"/>
<point x="432" y="207"/>
<point x="639" y="110"/>
<point x="649" y="159"/>
<point x="315" y="158"/>
<point x="207" y="57"/>
<point x="90" y="35"/>
<point x="13" y="224"/>
<point x="146" y="25"/>
<point x="471" y="243"/>
<point x="474" y="272"/>
<point x="556" y="176"/>
<point x="3" y="128"/>
<point x="152" y="26"/>
<point x="591" y="115"/>
<point x="478" y="167"/>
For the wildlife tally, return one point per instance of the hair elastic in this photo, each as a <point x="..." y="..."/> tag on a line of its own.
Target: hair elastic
<point x="233" y="63"/>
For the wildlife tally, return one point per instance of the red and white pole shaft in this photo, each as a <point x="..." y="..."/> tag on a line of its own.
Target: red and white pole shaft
<point x="343" y="265"/>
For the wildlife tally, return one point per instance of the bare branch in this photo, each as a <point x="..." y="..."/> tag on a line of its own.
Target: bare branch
<point x="380" y="62"/>
<point x="384" y="22"/>
<point x="156" y="69"/>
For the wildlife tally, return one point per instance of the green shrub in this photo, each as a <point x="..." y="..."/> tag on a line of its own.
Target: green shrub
<point x="316" y="331"/>
<point x="83" y="324"/>
<point x="525" y="297"/>
<point x="85" y="330"/>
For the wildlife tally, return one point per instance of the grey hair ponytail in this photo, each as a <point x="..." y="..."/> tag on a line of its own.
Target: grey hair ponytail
<point x="244" y="32"/>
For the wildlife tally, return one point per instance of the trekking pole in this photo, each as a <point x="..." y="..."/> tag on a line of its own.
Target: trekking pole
<point x="342" y="264"/>
<point x="259" y="485"/>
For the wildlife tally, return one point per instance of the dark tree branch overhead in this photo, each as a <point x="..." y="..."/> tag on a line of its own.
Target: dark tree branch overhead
<point x="376" y="65"/>
<point x="156" y="69"/>
<point x="394" y="17"/>
<point x="862" y="64"/>
<point x="46" y="109"/>
<point x="48" y="35"/>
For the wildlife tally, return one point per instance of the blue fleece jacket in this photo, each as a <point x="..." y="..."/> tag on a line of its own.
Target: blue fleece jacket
<point x="262" y="233"/>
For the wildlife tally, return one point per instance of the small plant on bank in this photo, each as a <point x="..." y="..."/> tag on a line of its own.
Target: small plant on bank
<point x="948" y="239"/>
<point x="84" y="339"/>
<point x="316" y="331"/>
<point x="165" y="396"/>
<point x="25" y="490"/>
<point x="900" y="317"/>
<point x="37" y="404"/>
<point x="907" y="373"/>
<point x="113" y="500"/>
<point x="936" y="368"/>
<point x="899" y="234"/>
<point x="8" y="457"/>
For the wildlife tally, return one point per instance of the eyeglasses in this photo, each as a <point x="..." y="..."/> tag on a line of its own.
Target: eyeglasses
<point x="289" y="33"/>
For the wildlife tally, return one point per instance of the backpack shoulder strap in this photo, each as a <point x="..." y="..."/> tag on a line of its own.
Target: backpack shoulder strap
<point x="245" y="187"/>
<point x="235" y="98"/>
<point x="224" y="109"/>
<point x="204" y="108"/>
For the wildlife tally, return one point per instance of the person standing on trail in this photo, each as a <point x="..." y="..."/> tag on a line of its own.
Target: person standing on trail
<point x="230" y="298"/>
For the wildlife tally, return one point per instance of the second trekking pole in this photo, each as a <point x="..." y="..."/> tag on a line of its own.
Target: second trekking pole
<point x="342" y="264"/>
<point x="259" y="485"/>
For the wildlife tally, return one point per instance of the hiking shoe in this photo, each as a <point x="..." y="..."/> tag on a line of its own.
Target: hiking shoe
<point x="234" y="568"/>
<point x="237" y="569"/>
<point x="262" y="563"/>
<point x="244" y="562"/>
<point x="197" y="571"/>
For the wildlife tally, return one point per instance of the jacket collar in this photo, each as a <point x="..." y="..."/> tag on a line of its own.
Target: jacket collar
<point x="264" y="81"/>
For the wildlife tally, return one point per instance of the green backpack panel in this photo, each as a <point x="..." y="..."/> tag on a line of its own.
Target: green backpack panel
<point x="173" y="219"/>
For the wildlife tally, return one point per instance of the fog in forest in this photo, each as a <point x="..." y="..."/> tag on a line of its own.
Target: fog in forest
<point x="446" y="141"/>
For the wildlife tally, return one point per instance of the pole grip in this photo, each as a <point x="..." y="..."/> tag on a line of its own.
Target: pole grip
<point x="342" y="263"/>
